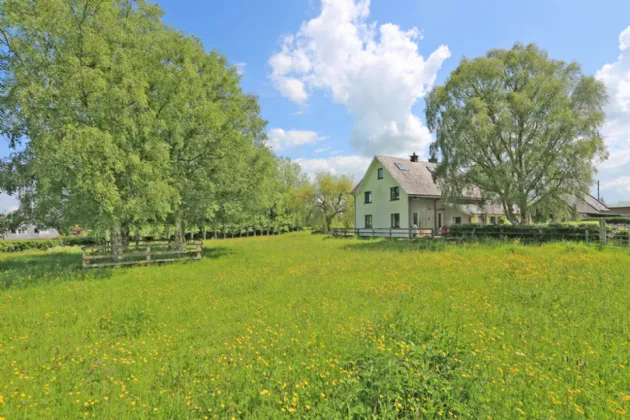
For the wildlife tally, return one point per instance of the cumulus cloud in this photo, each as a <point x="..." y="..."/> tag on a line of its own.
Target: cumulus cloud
<point x="281" y="140"/>
<point x="353" y="165"/>
<point x="376" y="72"/>
<point x="616" y="77"/>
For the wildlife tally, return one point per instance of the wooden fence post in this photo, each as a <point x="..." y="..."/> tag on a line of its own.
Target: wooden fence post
<point x="148" y="253"/>
<point x="602" y="232"/>
<point x="586" y="234"/>
<point x="199" y="246"/>
<point x="390" y="233"/>
<point x="628" y="236"/>
<point x="83" y="257"/>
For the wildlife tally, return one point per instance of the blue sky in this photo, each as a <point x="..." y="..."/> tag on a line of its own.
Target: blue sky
<point x="341" y="80"/>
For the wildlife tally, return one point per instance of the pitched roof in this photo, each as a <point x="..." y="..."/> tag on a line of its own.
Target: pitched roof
<point x="620" y="205"/>
<point x="588" y="205"/>
<point x="416" y="180"/>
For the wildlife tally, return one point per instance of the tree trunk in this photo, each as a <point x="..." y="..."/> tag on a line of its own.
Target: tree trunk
<point x="115" y="239"/>
<point x="125" y="234"/>
<point x="179" y="232"/>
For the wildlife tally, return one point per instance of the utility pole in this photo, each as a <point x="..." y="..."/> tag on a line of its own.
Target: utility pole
<point x="598" y="190"/>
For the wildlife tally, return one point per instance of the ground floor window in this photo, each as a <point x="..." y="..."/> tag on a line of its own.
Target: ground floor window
<point x="416" y="220"/>
<point x="493" y="220"/>
<point x="439" y="220"/>
<point x="368" y="220"/>
<point x="457" y="220"/>
<point x="395" y="220"/>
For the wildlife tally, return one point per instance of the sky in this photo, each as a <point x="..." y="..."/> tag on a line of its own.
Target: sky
<point x="342" y="80"/>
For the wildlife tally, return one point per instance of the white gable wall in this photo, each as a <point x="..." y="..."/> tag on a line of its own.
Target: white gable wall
<point x="381" y="207"/>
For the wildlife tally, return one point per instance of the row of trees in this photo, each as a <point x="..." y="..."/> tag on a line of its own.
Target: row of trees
<point x="118" y="121"/>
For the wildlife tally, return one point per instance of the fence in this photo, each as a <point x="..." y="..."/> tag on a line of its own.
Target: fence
<point x="602" y="233"/>
<point x="140" y="253"/>
<point x="391" y="233"/>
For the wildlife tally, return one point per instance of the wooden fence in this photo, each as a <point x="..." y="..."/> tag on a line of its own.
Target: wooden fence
<point x="602" y="234"/>
<point x="391" y="233"/>
<point x="140" y="253"/>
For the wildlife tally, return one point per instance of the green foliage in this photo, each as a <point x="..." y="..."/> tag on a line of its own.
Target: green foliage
<point x="44" y="244"/>
<point x="298" y="325"/>
<point x="622" y="220"/>
<point x="331" y="198"/>
<point x="521" y="127"/>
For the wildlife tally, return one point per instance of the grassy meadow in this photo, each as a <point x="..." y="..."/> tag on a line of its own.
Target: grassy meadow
<point x="304" y="326"/>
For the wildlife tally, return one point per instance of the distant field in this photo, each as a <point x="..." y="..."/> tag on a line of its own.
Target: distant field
<point x="308" y="327"/>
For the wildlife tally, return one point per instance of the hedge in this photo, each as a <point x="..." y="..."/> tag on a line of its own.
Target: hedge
<point x="621" y="220"/>
<point x="43" y="244"/>
<point x="535" y="233"/>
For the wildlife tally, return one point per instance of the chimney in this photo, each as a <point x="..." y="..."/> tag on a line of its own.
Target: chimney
<point x="414" y="157"/>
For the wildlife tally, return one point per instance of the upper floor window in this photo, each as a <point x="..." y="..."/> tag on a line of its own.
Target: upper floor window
<point x="367" y="197"/>
<point x="380" y="173"/>
<point x="394" y="193"/>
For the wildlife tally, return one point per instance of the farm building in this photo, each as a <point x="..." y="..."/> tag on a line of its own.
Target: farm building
<point x="30" y="232"/>
<point x="401" y="193"/>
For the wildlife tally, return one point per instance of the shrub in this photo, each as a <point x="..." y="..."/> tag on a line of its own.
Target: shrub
<point x="528" y="233"/>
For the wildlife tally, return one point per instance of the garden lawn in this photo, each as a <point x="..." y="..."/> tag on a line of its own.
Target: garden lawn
<point x="308" y="327"/>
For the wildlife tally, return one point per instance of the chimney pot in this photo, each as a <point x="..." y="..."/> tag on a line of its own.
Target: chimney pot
<point x="414" y="157"/>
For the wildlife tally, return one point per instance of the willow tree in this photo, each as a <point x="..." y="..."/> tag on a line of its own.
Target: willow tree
<point x="75" y="90"/>
<point x="521" y="127"/>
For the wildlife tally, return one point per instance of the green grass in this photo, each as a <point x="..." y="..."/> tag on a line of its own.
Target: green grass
<point x="308" y="327"/>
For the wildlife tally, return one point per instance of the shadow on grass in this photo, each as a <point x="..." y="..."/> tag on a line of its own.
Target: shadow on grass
<point x="22" y="270"/>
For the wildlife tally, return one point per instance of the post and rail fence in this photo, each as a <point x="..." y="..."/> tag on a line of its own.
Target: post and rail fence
<point x="138" y="252"/>
<point x="603" y="233"/>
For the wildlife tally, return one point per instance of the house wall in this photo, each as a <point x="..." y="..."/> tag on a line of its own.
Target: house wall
<point x="381" y="207"/>
<point x="425" y="207"/>
<point x="620" y="210"/>
<point x="29" y="233"/>
<point x="450" y="213"/>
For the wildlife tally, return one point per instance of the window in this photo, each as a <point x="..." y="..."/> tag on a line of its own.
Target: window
<point x="13" y="231"/>
<point x="368" y="197"/>
<point x="22" y="231"/>
<point x="457" y="220"/>
<point x="401" y="166"/>
<point x="432" y="170"/>
<point x="36" y="229"/>
<point x="493" y="220"/>
<point x="368" y="220"/>
<point x="380" y="173"/>
<point x="439" y="220"/>
<point x="395" y="220"/>
<point x="394" y="193"/>
<point x="415" y="219"/>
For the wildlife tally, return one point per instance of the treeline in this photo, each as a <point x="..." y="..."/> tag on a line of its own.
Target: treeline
<point x="118" y="122"/>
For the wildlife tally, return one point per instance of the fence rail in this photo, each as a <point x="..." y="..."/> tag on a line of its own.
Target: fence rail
<point x="153" y="252"/>
<point x="392" y="233"/>
<point x="604" y="234"/>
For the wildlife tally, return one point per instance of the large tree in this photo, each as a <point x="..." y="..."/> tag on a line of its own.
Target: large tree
<point x="75" y="89"/>
<point x="520" y="127"/>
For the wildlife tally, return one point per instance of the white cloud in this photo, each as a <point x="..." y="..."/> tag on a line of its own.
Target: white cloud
<point x="8" y="203"/>
<point x="240" y="67"/>
<point x="376" y="72"/>
<point x="280" y="139"/>
<point x="354" y="165"/>
<point x="322" y="150"/>
<point x="616" y="77"/>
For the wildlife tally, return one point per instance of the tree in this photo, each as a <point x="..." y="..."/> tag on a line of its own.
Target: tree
<point x="332" y="194"/>
<point x="74" y="90"/>
<point x="521" y="127"/>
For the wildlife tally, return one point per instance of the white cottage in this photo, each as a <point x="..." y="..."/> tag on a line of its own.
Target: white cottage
<point x="401" y="193"/>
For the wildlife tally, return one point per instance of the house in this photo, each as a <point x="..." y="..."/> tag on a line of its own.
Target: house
<point x="30" y="232"/>
<point x="401" y="193"/>
<point x="622" y="208"/>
